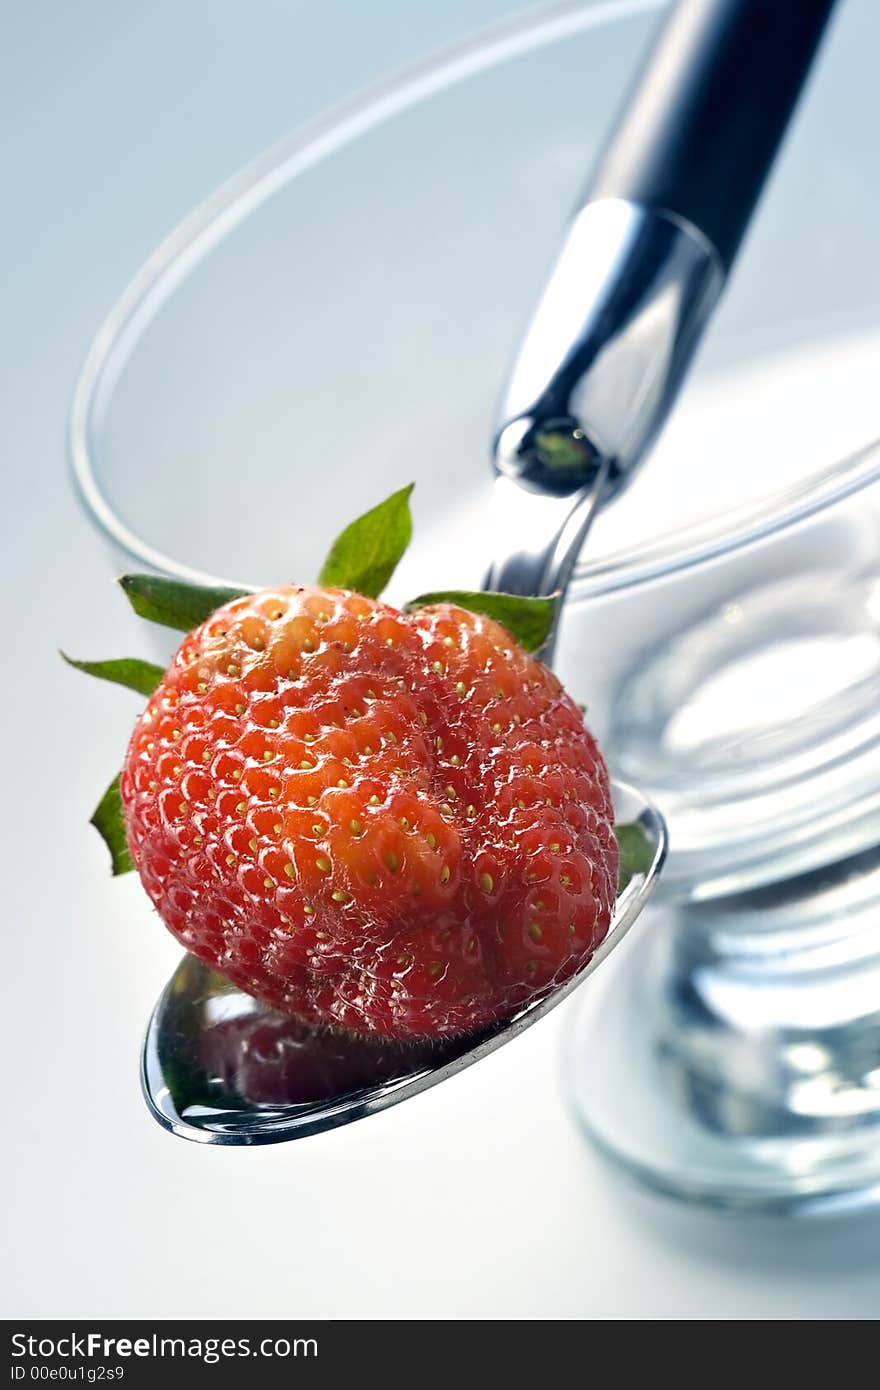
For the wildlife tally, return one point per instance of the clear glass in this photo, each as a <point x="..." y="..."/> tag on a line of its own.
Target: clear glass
<point x="740" y="684"/>
<point x="740" y="1057"/>
<point x="336" y="321"/>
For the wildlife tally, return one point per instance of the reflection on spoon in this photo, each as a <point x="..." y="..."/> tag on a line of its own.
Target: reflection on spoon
<point x="221" y="1068"/>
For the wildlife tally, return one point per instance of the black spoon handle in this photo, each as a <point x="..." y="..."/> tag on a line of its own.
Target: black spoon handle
<point x="710" y="107"/>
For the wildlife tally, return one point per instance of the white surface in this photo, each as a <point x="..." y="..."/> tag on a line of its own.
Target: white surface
<point x="477" y="1200"/>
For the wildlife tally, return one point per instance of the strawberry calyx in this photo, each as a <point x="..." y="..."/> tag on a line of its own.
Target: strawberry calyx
<point x="140" y="676"/>
<point x="109" y="821"/>
<point x="362" y="559"/>
<point x="365" y="555"/>
<point x="174" y="602"/>
<point x="529" y="620"/>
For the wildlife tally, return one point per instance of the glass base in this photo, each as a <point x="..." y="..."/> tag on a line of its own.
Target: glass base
<point x="732" y="1057"/>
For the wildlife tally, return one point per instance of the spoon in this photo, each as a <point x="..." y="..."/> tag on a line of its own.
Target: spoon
<point x="221" y="1068"/>
<point x="642" y="268"/>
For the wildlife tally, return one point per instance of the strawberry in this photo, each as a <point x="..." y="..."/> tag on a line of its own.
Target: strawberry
<point x="273" y="1059"/>
<point x="391" y="822"/>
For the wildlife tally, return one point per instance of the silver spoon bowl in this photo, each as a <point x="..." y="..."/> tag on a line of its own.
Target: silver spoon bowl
<point x="220" y="1068"/>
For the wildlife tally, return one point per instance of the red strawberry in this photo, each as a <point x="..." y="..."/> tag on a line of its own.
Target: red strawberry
<point x="396" y="823"/>
<point x="273" y="1059"/>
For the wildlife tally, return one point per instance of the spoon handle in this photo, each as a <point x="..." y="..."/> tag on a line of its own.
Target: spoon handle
<point x="709" y="110"/>
<point x="648" y="254"/>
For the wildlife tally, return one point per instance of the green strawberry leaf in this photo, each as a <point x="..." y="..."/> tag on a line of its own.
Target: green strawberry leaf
<point x="109" y="822"/>
<point x="141" y="676"/>
<point x="173" y="603"/>
<point x="529" y="620"/>
<point x="365" y="555"/>
<point x="636" y="853"/>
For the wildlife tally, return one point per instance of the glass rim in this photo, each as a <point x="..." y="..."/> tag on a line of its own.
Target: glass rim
<point x="739" y="528"/>
<point x="207" y="225"/>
